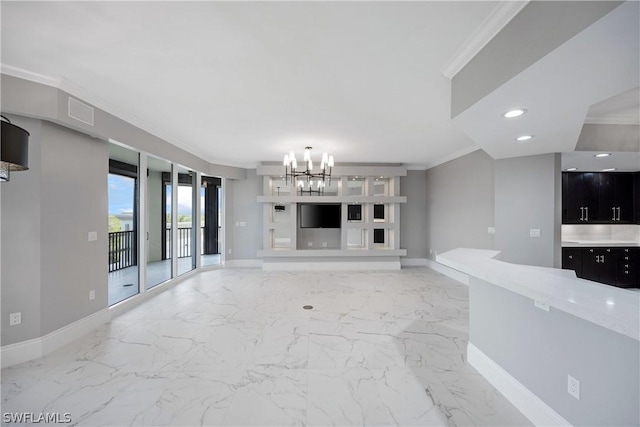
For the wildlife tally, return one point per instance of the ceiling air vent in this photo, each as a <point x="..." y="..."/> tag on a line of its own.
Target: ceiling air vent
<point x="80" y="111"/>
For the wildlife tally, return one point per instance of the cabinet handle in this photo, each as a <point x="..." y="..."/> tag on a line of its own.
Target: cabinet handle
<point x="570" y="256"/>
<point x="614" y="214"/>
<point x="626" y="266"/>
<point x="581" y="213"/>
<point x="618" y="213"/>
<point x="597" y="259"/>
<point x="626" y="272"/>
<point x="587" y="214"/>
<point x="603" y="259"/>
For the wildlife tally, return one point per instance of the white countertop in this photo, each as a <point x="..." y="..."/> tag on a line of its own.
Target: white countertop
<point x="599" y="243"/>
<point x="608" y="306"/>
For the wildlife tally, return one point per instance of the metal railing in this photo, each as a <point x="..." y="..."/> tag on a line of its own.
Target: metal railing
<point x="122" y="247"/>
<point x="122" y="250"/>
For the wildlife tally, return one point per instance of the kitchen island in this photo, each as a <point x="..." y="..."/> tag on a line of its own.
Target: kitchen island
<point x="537" y="333"/>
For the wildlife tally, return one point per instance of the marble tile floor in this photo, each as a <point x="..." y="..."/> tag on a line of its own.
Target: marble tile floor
<point x="235" y="347"/>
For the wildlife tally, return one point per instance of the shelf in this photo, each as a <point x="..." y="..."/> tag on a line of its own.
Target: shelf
<point x="306" y="253"/>
<point x="332" y="199"/>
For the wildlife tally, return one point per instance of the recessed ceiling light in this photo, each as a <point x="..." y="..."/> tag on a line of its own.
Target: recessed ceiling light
<point x="571" y="169"/>
<point x="524" y="138"/>
<point x="608" y="170"/>
<point x="514" y="113"/>
<point x="602" y="155"/>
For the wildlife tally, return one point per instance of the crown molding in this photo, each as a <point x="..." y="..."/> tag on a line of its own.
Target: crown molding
<point x="501" y="15"/>
<point x="89" y="97"/>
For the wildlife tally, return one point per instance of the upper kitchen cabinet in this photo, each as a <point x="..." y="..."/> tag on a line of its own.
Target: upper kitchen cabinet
<point x="599" y="198"/>
<point x="616" y="196"/>
<point x="579" y="197"/>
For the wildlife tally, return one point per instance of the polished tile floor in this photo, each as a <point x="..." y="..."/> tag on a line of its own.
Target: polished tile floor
<point x="235" y="347"/>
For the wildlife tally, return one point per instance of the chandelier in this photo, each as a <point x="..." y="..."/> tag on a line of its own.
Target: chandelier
<point x="307" y="179"/>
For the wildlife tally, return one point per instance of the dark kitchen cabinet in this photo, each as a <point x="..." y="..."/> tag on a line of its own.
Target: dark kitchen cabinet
<point x="599" y="265"/>
<point x="600" y="198"/>
<point x="579" y="197"/>
<point x="618" y="266"/>
<point x="572" y="260"/>
<point x="636" y="198"/>
<point x="615" y="198"/>
<point x="627" y="274"/>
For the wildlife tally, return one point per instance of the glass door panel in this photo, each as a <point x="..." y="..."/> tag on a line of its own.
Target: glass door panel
<point x="186" y="224"/>
<point x="210" y="230"/>
<point x="122" y="193"/>
<point x="158" y="222"/>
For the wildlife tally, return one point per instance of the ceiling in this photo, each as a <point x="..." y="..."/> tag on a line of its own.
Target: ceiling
<point x="240" y="83"/>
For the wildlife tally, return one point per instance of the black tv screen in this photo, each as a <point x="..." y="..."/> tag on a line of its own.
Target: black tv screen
<point x="320" y="215"/>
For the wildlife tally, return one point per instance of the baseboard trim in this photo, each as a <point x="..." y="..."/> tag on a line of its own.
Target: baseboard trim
<point x="13" y="354"/>
<point x="447" y="271"/>
<point x="340" y="266"/>
<point x="413" y="262"/>
<point x="531" y="406"/>
<point x="243" y="263"/>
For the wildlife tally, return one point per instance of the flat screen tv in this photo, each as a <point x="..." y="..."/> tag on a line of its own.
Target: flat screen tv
<point x="321" y="215"/>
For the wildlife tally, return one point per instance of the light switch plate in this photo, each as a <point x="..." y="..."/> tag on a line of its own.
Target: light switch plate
<point x="541" y="305"/>
<point x="491" y="230"/>
<point x="534" y="232"/>
<point x="93" y="236"/>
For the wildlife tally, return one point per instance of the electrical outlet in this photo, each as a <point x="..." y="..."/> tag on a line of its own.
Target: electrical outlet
<point x="324" y="244"/>
<point x="92" y="236"/>
<point x="541" y="305"/>
<point x="15" y="318"/>
<point x="534" y="232"/>
<point x="92" y="295"/>
<point x="309" y="244"/>
<point x="491" y="230"/>
<point x="573" y="387"/>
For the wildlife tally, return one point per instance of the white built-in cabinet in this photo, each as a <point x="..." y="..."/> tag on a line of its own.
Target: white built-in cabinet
<point x="369" y="199"/>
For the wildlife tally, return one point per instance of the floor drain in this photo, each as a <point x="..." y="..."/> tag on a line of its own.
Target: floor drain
<point x="127" y="284"/>
<point x="307" y="307"/>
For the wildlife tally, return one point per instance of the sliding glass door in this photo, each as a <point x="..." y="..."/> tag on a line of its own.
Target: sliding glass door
<point x="122" y="191"/>
<point x="158" y="221"/>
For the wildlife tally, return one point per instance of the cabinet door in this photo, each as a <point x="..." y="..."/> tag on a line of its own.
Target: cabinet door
<point x="572" y="200"/>
<point x="627" y="275"/>
<point x="624" y="196"/>
<point x="591" y="195"/>
<point x="607" y="213"/>
<point x="572" y="260"/>
<point x="591" y="264"/>
<point x="636" y="198"/>
<point x="599" y="265"/>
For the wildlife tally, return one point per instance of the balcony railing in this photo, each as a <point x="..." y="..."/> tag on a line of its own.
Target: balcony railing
<point x="122" y="247"/>
<point x="122" y="250"/>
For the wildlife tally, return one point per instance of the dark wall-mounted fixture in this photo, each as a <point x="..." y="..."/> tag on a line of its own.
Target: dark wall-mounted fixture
<point x="14" y="149"/>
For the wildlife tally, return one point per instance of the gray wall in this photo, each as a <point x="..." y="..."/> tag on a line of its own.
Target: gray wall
<point x="48" y="264"/>
<point x="624" y="138"/>
<point x="413" y="214"/>
<point x="460" y="204"/>
<point x="241" y="205"/>
<point x="538" y="29"/>
<point x="528" y="195"/>
<point x="541" y="348"/>
<point x="73" y="203"/>
<point x="20" y="240"/>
